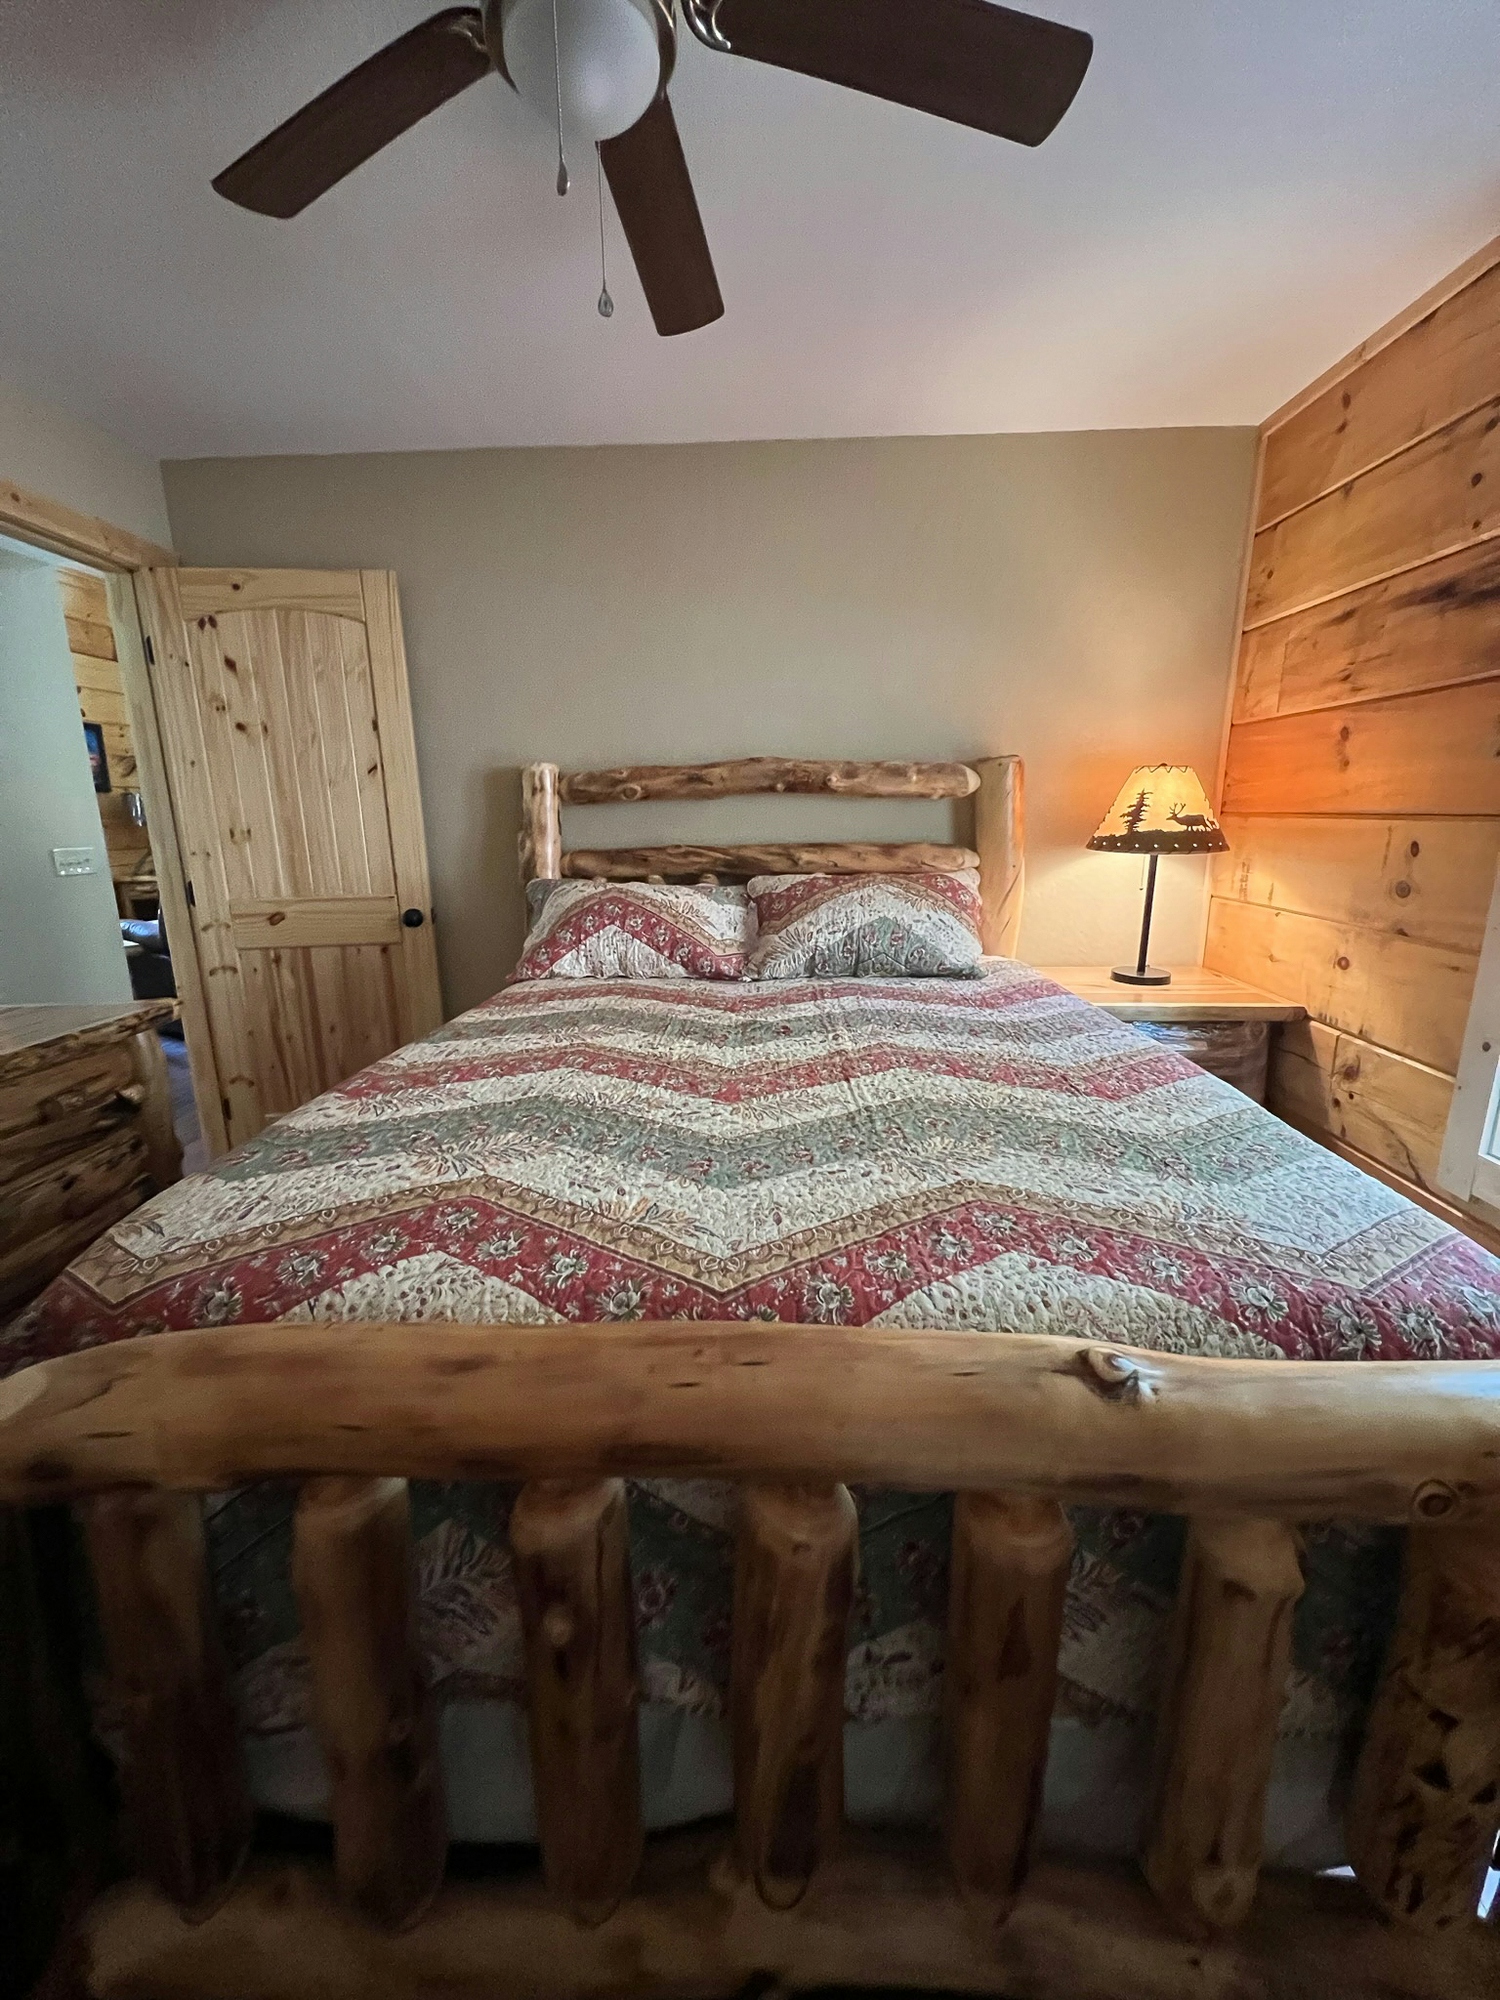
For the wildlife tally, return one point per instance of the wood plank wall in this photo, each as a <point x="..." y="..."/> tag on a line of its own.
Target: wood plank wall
<point x="101" y="697"/>
<point x="1361" y="789"/>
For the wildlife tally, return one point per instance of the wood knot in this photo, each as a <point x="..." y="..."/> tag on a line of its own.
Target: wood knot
<point x="1433" y="1500"/>
<point x="632" y="792"/>
<point x="558" y="1626"/>
<point x="1113" y="1375"/>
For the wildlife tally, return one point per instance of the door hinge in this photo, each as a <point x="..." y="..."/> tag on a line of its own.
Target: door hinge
<point x="192" y="899"/>
<point x="150" y="650"/>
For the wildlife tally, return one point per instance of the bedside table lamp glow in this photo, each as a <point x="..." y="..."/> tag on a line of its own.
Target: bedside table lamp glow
<point x="1161" y="809"/>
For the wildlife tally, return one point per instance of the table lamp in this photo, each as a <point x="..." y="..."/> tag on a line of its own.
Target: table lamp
<point x="1160" y="809"/>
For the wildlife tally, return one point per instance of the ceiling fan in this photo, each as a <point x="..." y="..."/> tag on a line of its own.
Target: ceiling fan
<point x="602" y="68"/>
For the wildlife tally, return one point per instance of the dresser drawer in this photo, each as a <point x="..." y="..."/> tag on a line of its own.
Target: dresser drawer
<point x="57" y="1111"/>
<point x="85" y="1132"/>
<point x="58" y="1210"/>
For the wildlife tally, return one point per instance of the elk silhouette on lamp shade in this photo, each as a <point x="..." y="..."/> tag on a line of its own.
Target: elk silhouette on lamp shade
<point x="1160" y="809"/>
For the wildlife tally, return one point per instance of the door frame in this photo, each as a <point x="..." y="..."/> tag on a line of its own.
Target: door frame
<point x="64" y="531"/>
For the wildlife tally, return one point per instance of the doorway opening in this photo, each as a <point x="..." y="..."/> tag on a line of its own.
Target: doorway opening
<point x="80" y="911"/>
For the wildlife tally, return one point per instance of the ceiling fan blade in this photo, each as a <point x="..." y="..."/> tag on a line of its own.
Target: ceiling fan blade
<point x="968" y="60"/>
<point x="648" y="177"/>
<point x="355" y="117"/>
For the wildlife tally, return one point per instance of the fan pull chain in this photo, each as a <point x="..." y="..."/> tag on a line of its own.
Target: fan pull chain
<point x="606" y="303"/>
<point x="562" y="165"/>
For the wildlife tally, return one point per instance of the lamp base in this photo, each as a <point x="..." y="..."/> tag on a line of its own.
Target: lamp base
<point x="1154" y="975"/>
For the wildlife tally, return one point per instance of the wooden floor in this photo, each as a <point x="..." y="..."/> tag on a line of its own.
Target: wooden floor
<point x="881" y="1917"/>
<point x="184" y="1107"/>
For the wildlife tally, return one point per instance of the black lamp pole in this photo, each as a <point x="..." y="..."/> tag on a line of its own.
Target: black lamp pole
<point x="1141" y="973"/>
<point x="1140" y="963"/>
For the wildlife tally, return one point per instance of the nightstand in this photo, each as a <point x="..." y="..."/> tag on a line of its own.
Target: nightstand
<point x="1217" y="1022"/>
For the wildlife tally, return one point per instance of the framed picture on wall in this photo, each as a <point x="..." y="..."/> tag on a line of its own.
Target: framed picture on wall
<point x="93" y="735"/>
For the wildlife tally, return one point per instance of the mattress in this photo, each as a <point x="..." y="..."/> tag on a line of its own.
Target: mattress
<point x="988" y="1154"/>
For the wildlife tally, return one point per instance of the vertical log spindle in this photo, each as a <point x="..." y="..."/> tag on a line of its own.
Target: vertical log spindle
<point x="1426" y="1802"/>
<point x="571" y="1546"/>
<point x="353" y="1574"/>
<point x="540" y="839"/>
<point x="1000" y="839"/>
<point x="1009" y="1576"/>
<point x="796" y="1559"/>
<point x="182" y="1775"/>
<point x="1231" y="1652"/>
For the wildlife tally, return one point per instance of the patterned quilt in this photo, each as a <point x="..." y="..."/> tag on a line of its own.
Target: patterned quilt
<point x="924" y="1153"/>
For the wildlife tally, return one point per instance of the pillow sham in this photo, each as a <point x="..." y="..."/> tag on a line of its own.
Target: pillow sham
<point x="638" y="930"/>
<point x="866" y="927"/>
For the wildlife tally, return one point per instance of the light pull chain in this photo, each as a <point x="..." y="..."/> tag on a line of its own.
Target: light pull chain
<point x="606" y="303"/>
<point x="562" y="165"/>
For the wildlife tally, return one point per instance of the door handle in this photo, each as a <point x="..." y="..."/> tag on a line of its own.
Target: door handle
<point x="413" y="919"/>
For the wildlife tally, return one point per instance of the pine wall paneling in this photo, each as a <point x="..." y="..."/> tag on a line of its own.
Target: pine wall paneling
<point x="1361" y="791"/>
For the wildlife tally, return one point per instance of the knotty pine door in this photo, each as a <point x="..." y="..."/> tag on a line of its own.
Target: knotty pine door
<point x="285" y="729"/>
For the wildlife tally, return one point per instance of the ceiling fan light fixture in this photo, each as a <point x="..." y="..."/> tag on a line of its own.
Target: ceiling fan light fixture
<point x="606" y="62"/>
<point x="597" y="72"/>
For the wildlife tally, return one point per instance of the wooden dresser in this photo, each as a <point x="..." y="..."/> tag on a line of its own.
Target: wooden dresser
<point x="85" y="1132"/>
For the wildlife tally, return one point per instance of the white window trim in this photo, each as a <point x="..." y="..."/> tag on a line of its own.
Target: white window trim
<point x="1469" y="1167"/>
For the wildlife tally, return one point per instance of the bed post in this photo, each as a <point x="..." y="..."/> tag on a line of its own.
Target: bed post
<point x="187" y="1802"/>
<point x="541" y="824"/>
<point x="1008" y="1579"/>
<point x="1231" y="1651"/>
<point x="1426" y="1802"/>
<point x="1000" y="838"/>
<point x="352" y="1572"/>
<point x="796" y="1557"/>
<point x="571" y="1546"/>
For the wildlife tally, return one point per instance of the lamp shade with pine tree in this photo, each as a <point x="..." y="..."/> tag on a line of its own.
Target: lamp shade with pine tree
<point x="1160" y="809"/>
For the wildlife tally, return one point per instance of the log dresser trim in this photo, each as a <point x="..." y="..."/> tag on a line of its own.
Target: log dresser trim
<point x="1017" y="1424"/>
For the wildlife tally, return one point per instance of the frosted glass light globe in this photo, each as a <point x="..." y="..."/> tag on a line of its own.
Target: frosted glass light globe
<point x="610" y="65"/>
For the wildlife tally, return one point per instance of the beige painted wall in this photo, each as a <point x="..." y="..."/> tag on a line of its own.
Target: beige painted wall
<point x="64" y="458"/>
<point x="59" y="934"/>
<point x="1070" y="596"/>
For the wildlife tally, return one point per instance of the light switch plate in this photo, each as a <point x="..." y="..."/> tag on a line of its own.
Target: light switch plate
<point x="73" y="860"/>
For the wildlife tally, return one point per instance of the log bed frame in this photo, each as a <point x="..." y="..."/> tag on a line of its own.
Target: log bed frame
<point x="1017" y="1425"/>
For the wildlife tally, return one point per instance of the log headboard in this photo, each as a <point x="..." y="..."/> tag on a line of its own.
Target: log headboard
<point x="994" y="784"/>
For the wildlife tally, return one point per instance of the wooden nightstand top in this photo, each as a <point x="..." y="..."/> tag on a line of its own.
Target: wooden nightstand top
<point x="1195" y="994"/>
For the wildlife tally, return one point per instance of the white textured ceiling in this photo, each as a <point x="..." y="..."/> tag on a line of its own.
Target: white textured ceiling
<point x="1243" y="189"/>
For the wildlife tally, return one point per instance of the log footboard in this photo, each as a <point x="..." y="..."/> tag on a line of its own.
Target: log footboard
<point x="1226" y="1683"/>
<point x="351" y="1570"/>
<point x="1426" y="1803"/>
<point x="571" y="1546"/>
<point x="796" y="1555"/>
<point x="187" y="1803"/>
<point x="882" y="1915"/>
<point x="1016" y="1425"/>
<point x="1008" y="1575"/>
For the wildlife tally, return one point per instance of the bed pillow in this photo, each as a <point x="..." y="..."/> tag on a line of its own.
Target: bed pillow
<point x="866" y="927"/>
<point x="638" y="930"/>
